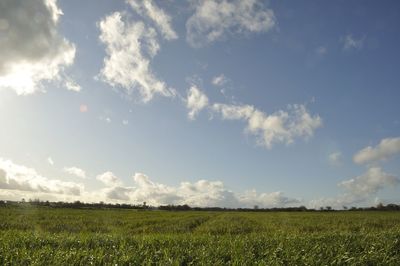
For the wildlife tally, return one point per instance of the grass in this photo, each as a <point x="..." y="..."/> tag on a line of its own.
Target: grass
<point x="46" y="236"/>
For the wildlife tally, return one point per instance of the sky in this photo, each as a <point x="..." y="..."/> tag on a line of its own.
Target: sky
<point x="207" y="103"/>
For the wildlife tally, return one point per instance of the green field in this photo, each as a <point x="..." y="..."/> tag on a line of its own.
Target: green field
<point x="47" y="236"/>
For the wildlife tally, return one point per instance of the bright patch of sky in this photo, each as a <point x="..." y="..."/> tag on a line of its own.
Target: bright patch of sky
<point x="206" y="103"/>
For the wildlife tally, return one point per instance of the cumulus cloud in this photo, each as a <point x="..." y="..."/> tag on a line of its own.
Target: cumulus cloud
<point x="213" y="20"/>
<point x="384" y="150"/>
<point x="17" y="181"/>
<point x="371" y="182"/>
<point x="75" y="171"/>
<point x="207" y="193"/>
<point x="130" y="46"/>
<point x="22" y="178"/>
<point x="279" y="127"/>
<point x="200" y="193"/>
<point x="359" y="189"/>
<point x="109" y="179"/>
<point x="362" y="188"/>
<point x="203" y="193"/>
<point x="162" y="20"/>
<point x="115" y="189"/>
<point x="118" y="193"/>
<point x="196" y="101"/>
<point x="349" y="42"/>
<point x="270" y="200"/>
<point x="33" y="50"/>
<point x="219" y="80"/>
<point x="152" y="192"/>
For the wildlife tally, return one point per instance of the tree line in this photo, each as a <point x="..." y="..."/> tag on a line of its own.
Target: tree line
<point x="185" y="207"/>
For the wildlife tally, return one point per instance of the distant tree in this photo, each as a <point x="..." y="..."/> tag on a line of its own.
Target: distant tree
<point x="302" y="208"/>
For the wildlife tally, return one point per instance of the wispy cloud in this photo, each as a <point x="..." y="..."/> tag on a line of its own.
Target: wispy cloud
<point x="72" y="85"/>
<point x="321" y="50"/>
<point x="335" y="158"/>
<point x="219" y="80"/>
<point x="130" y="45"/>
<point x="350" y="42"/>
<point x="196" y="101"/>
<point x="50" y="160"/>
<point x="213" y="20"/>
<point x="162" y="20"/>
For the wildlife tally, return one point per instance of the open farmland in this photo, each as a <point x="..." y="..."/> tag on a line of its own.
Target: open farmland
<point x="47" y="236"/>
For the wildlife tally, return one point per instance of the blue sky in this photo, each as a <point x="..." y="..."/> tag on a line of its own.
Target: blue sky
<point x="210" y="103"/>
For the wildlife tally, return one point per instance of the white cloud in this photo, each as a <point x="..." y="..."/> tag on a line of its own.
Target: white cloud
<point x="22" y="178"/>
<point x="158" y="16"/>
<point x="213" y="20"/>
<point x="363" y="188"/>
<point x="207" y="193"/>
<point x="130" y="46"/>
<point x="195" y="102"/>
<point x="109" y="179"/>
<point x="72" y="85"/>
<point x="202" y="193"/>
<point x="75" y="171"/>
<point x="270" y="200"/>
<point x="153" y="193"/>
<point x="360" y="189"/>
<point x="115" y="189"/>
<point x="125" y="122"/>
<point x="219" y="80"/>
<point x="118" y="193"/>
<point x="33" y="51"/>
<point x="335" y="158"/>
<point x="369" y="183"/>
<point x="385" y="149"/>
<point x="50" y="161"/>
<point x="279" y="127"/>
<point x="349" y="42"/>
<point x="18" y="182"/>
